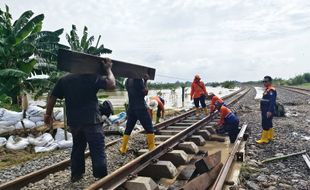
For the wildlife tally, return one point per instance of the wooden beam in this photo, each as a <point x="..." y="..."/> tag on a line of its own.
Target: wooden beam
<point x="76" y="62"/>
<point x="207" y="163"/>
<point x="205" y="180"/>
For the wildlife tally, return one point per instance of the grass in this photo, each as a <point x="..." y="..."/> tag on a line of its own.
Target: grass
<point x="304" y="85"/>
<point x="10" y="158"/>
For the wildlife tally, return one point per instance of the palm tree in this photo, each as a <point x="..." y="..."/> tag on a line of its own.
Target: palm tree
<point x="24" y="48"/>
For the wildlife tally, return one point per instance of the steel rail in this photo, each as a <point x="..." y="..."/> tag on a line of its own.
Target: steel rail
<point x="219" y="183"/>
<point x="121" y="175"/>
<point x="35" y="176"/>
<point x="297" y="90"/>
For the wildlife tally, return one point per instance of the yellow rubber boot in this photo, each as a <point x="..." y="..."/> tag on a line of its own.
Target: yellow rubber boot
<point x="124" y="146"/>
<point x="270" y="134"/>
<point x="197" y="112"/>
<point x="150" y="141"/>
<point x="206" y="111"/>
<point x="264" y="137"/>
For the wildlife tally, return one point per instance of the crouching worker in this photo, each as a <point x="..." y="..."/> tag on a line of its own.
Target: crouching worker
<point x="137" y="110"/>
<point x="158" y="103"/>
<point x="214" y="99"/>
<point x="83" y="117"/>
<point x="229" y="121"/>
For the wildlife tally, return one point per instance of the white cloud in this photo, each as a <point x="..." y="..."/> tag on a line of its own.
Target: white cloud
<point x="221" y="40"/>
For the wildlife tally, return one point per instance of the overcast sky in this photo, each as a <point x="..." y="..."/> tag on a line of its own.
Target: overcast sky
<point x="218" y="39"/>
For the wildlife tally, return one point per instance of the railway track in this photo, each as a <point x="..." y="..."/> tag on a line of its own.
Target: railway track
<point x="121" y="175"/>
<point x="303" y="91"/>
<point x="186" y="120"/>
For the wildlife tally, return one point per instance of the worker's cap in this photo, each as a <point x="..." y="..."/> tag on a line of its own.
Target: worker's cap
<point x="152" y="104"/>
<point x="197" y="77"/>
<point x="218" y="104"/>
<point x="210" y="93"/>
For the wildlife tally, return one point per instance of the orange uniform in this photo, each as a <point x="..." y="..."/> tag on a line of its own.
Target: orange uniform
<point x="227" y="116"/>
<point x="160" y="103"/>
<point x="197" y="89"/>
<point x="213" y="100"/>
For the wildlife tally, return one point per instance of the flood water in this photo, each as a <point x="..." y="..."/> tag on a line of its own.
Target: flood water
<point x="172" y="97"/>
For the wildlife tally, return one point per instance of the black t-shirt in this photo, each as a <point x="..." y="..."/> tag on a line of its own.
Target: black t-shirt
<point x="79" y="91"/>
<point x="136" y="92"/>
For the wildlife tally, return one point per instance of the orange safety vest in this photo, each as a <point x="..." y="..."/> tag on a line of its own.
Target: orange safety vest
<point x="197" y="89"/>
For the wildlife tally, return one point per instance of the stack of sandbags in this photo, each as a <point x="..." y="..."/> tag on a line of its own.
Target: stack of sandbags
<point x="8" y="119"/>
<point x="43" y="143"/>
<point x="61" y="141"/>
<point x="16" y="143"/>
<point x="35" y="114"/>
<point x="27" y="124"/>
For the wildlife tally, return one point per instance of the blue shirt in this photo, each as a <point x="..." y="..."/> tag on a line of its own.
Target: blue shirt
<point x="268" y="102"/>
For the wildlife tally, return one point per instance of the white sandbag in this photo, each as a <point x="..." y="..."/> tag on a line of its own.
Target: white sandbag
<point x="60" y="135"/>
<point x="48" y="148"/>
<point x="60" y="117"/>
<point x="60" y="139"/>
<point x="65" y="144"/>
<point x="57" y="111"/>
<point x="2" y="141"/>
<point x="2" y="110"/>
<point x="16" y="143"/>
<point x="7" y="123"/>
<point x="5" y="129"/>
<point x="40" y="123"/>
<point x="28" y="124"/>
<point x="11" y="116"/>
<point x="35" y="111"/>
<point x="35" y="118"/>
<point x="43" y="140"/>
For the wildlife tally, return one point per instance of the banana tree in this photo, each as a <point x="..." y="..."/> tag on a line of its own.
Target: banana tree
<point x="23" y="45"/>
<point x="85" y="44"/>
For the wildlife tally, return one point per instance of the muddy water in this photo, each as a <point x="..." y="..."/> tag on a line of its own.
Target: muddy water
<point x="173" y="97"/>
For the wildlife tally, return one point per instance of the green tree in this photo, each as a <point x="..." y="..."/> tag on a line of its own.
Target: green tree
<point x="85" y="44"/>
<point x="23" y="46"/>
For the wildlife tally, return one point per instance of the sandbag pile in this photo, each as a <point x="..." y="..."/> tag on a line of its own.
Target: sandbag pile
<point x="11" y="120"/>
<point x="42" y="143"/>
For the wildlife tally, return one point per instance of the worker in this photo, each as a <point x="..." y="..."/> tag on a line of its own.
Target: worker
<point x="83" y="117"/>
<point x="199" y="94"/>
<point x="229" y="122"/>
<point x="157" y="102"/>
<point x="214" y="99"/>
<point x="267" y="106"/>
<point x="137" y="110"/>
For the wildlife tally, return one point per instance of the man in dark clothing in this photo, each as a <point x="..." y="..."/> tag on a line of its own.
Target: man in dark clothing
<point x="267" y="106"/>
<point x="137" y="110"/>
<point x="83" y="117"/>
